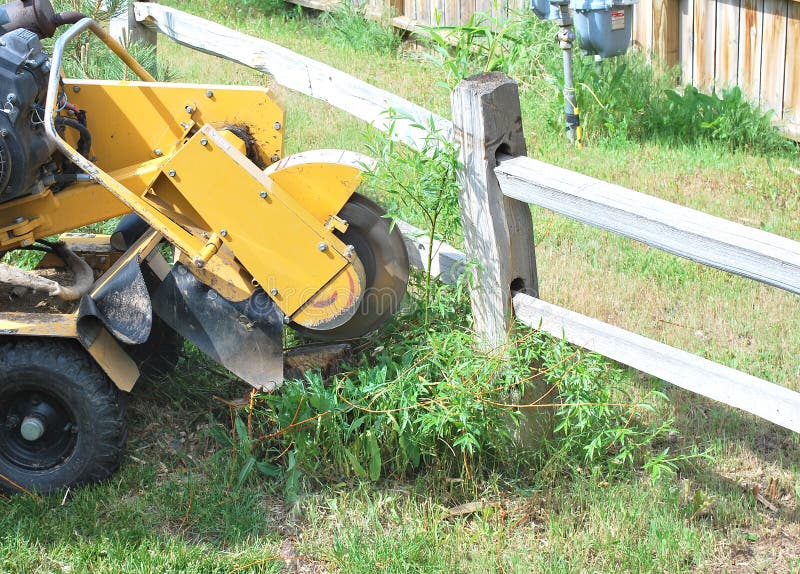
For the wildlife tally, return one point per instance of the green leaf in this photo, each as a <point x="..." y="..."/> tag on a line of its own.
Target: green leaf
<point x="354" y="464"/>
<point x="268" y="469"/>
<point x="374" y="457"/>
<point x="245" y="472"/>
<point x="242" y="436"/>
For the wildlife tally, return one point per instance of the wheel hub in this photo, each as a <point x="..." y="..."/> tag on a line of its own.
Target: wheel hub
<point x="35" y="432"/>
<point x="32" y="428"/>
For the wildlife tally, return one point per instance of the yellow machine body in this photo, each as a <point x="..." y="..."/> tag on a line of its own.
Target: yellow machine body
<point x="188" y="159"/>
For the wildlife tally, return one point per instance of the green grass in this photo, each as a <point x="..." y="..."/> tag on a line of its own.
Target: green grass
<point x="173" y="507"/>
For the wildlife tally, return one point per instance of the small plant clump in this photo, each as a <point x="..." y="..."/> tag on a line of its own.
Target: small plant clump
<point x="354" y="30"/>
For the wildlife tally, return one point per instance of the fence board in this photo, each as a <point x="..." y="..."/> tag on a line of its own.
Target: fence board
<point x="705" y="24"/>
<point x="718" y="382"/>
<point x="791" y="91"/>
<point x="643" y="26"/>
<point x="294" y="71"/>
<point x="773" y="58"/>
<point x="665" y="30"/>
<point x="452" y="15"/>
<point x="751" y="33"/>
<point x="727" y="56"/>
<point x="409" y="11"/>
<point x="686" y="48"/>
<point x="679" y="230"/>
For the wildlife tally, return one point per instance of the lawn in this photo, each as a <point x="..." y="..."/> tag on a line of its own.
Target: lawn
<point x="175" y="506"/>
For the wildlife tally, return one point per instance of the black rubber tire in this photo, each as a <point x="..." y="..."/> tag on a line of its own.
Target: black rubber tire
<point x="59" y="373"/>
<point x="382" y="251"/>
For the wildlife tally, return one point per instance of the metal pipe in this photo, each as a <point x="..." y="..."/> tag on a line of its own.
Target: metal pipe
<point x="566" y="40"/>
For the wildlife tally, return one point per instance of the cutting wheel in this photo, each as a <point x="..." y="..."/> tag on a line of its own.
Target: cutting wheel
<point x="383" y="254"/>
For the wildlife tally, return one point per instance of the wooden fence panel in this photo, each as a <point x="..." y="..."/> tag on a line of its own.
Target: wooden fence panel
<point x="665" y="30"/>
<point x="642" y="37"/>
<point x="705" y="24"/>
<point x="751" y="32"/>
<point x="773" y="59"/>
<point x="727" y="39"/>
<point x="791" y="91"/>
<point x="452" y="13"/>
<point x="686" y="48"/>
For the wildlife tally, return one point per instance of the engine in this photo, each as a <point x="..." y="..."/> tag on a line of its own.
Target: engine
<point x="24" y="148"/>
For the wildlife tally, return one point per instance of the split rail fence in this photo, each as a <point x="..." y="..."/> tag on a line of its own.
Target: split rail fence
<point x="498" y="184"/>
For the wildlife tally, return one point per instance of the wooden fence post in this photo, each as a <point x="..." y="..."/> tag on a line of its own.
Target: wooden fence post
<point x="498" y="231"/>
<point x="124" y="28"/>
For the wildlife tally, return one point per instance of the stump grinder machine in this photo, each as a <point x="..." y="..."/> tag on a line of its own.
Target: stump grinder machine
<point x="221" y="240"/>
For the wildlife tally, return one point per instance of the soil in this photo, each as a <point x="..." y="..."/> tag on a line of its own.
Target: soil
<point x="19" y="300"/>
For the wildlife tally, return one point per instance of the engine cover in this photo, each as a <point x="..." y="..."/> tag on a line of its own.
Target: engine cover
<point x="24" y="148"/>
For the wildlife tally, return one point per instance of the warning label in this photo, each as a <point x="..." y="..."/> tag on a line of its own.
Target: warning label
<point x="617" y="19"/>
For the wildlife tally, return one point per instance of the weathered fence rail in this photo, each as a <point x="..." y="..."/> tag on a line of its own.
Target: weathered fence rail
<point x="686" y="232"/>
<point x="497" y="184"/>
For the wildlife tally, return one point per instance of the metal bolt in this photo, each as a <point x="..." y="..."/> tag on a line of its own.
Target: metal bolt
<point x="26" y="242"/>
<point x="224" y="233"/>
<point x="273" y="292"/>
<point x="32" y="428"/>
<point x="263" y="195"/>
<point x="348" y="251"/>
<point x="199" y="263"/>
<point x="76" y="89"/>
<point x="3" y="133"/>
<point x="209" y="94"/>
<point x="275" y="158"/>
<point x="277" y="125"/>
<point x="204" y="141"/>
<point x="172" y="173"/>
<point x="158" y="152"/>
<point x="19" y="220"/>
<point x="189" y="109"/>
<point x="322" y="246"/>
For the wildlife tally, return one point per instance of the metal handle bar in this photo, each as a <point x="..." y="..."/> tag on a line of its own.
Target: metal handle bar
<point x="55" y="73"/>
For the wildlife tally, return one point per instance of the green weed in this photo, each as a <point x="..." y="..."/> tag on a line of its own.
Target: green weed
<point x="727" y="118"/>
<point x="520" y="45"/>
<point x="418" y="185"/>
<point x="354" y="30"/>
